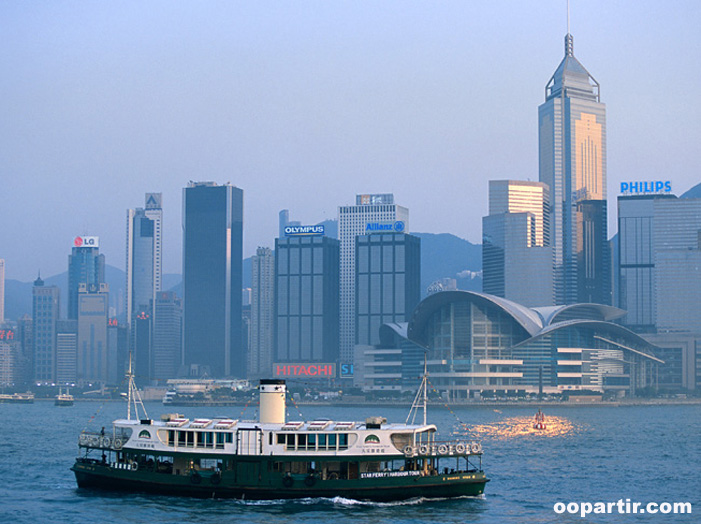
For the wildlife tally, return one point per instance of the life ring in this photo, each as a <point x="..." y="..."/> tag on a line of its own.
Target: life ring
<point x="460" y="448"/>
<point x="216" y="478"/>
<point x="442" y="449"/>
<point x="118" y="443"/>
<point x="105" y="442"/>
<point x="134" y="465"/>
<point x="423" y="450"/>
<point x="408" y="451"/>
<point x="310" y="480"/>
<point x="196" y="478"/>
<point x="333" y="476"/>
<point x="287" y="481"/>
<point x="475" y="447"/>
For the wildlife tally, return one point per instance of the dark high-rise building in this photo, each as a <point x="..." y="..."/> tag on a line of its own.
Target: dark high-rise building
<point x="572" y="139"/>
<point x="45" y="309"/>
<point x="387" y="282"/>
<point x="85" y="266"/>
<point x="167" y="336"/>
<point x="306" y="299"/>
<point x="212" y="277"/>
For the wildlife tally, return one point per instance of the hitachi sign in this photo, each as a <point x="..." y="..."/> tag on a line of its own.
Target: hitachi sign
<point x="304" y="370"/>
<point x="294" y="231"/>
<point x="642" y="188"/>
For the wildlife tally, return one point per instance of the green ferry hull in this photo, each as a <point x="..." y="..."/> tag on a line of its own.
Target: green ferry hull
<point x="98" y="476"/>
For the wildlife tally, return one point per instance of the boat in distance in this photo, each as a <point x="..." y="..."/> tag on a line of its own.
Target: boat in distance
<point x="64" y="399"/>
<point x="277" y="459"/>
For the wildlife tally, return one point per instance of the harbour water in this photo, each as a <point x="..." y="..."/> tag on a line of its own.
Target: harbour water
<point x="587" y="454"/>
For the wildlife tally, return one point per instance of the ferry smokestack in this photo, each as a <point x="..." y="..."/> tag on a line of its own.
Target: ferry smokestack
<point x="272" y="401"/>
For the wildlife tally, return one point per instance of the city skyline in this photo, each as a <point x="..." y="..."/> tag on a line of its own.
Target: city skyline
<point x="303" y="108"/>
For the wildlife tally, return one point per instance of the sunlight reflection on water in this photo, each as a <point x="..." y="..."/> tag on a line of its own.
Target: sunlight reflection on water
<point x="515" y="427"/>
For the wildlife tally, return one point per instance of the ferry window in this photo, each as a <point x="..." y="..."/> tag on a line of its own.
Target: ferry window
<point x="171" y="437"/>
<point x="290" y="441"/>
<point x="229" y="438"/>
<point x="200" y="439"/>
<point x="181" y="438"/>
<point x="220" y="440"/>
<point x="311" y="441"/>
<point x="280" y="438"/>
<point x="209" y="439"/>
<point x="322" y="441"/>
<point x="343" y="441"/>
<point x="332" y="441"/>
<point x="302" y="441"/>
<point x="190" y="436"/>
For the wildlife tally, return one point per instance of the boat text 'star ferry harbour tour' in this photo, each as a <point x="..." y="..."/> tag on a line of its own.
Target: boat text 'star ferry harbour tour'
<point x="277" y="459"/>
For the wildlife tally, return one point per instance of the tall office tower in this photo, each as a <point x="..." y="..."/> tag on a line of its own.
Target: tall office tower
<point x="144" y="248"/>
<point x="516" y="254"/>
<point x="572" y="138"/>
<point x="212" y="278"/>
<point x="306" y="299"/>
<point x="85" y="266"/>
<point x="167" y="336"/>
<point x="2" y="290"/>
<point x="387" y="283"/>
<point x="66" y="351"/>
<point x="260" y="356"/>
<point x="25" y="334"/>
<point x="45" y="310"/>
<point x="369" y="211"/>
<point x="92" y="362"/>
<point x="117" y="351"/>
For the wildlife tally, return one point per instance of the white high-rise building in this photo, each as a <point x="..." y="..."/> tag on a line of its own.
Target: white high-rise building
<point x="260" y="355"/>
<point x="369" y="213"/>
<point x="144" y="249"/>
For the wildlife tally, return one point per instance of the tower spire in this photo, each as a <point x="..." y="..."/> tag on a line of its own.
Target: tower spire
<point x="569" y="41"/>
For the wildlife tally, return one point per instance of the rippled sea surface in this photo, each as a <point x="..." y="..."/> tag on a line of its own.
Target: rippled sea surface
<point x="587" y="454"/>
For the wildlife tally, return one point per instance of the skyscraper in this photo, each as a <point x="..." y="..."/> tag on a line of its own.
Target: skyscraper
<point x="369" y="210"/>
<point x="306" y="299"/>
<point x="85" y="266"/>
<point x="388" y="282"/>
<point x="167" y="336"/>
<point x="92" y="362"/>
<point x="516" y="255"/>
<point x="144" y="248"/>
<point x="572" y="139"/>
<point x="212" y="277"/>
<point x="260" y="358"/>
<point x="45" y="316"/>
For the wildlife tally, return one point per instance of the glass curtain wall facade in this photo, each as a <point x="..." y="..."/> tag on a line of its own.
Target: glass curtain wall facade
<point x="85" y="266"/>
<point x="212" y="278"/>
<point x="306" y="299"/>
<point x="572" y="162"/>
<point x="388" y="282"/>
<point x="260" y="362"/>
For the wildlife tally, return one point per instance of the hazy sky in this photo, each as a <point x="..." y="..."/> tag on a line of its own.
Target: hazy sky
<point x="304" y="104"/>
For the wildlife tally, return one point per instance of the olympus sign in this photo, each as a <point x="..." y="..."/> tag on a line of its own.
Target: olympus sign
<point x="296" y="231"/>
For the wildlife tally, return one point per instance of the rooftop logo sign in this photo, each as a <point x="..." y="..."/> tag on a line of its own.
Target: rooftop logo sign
<point x="86" y="242"/>
<point x="658" y="187"/>
<point x="299" y="231"/>
<point x="385" y="227"/>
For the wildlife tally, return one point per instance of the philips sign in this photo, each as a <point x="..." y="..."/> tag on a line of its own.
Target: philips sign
<point x="86" y="242"/>
<point x="384" y="227"/>
<point x="646" y="188"/>
<point x="298" y="231"/>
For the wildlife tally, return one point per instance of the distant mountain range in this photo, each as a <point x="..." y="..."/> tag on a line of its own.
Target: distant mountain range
<point x="442" y="256"/>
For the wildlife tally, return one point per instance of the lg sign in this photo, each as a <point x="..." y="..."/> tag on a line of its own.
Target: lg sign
<point x="86" y="242"/>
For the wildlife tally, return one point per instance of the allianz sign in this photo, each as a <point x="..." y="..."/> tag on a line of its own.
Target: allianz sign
<point x="385" y="227"/>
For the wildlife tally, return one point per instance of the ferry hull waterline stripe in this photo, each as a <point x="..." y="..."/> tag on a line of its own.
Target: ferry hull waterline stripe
<point x="273" y="458"/>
